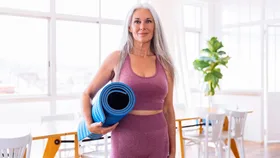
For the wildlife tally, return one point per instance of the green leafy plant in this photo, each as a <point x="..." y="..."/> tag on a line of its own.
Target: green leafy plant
<point x="209" y="63"/>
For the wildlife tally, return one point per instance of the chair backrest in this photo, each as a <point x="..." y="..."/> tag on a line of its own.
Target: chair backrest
<point x="16" y="147"/>
<point x="237" y="122"/>
<point x="217" y="121"/>
<point x="59" y="117"/>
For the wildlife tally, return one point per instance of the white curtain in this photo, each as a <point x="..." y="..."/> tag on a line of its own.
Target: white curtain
<point x="171" y="15"/>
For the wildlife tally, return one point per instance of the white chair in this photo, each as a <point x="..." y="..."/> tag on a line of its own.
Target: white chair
<point x="96" y="148"/>
<point x="16" y="147"/>
<point x="235" y="131"/>
<point x="214" y="136"/>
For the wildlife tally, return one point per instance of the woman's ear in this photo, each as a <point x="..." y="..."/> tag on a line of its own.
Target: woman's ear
<point x="129" y="29"/>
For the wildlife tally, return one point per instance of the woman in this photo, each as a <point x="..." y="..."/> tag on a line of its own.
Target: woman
<point x="144" y="64"/>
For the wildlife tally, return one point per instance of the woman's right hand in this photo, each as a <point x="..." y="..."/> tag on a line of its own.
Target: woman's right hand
<point x="97" y="128"/>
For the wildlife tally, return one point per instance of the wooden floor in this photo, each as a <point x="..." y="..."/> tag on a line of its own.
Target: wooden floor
<point x="252" y="150"/>
<point x="257" y="150"/>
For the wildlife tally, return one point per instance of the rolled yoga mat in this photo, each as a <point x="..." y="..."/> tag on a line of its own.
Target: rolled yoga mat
<point x="109" y="106"/>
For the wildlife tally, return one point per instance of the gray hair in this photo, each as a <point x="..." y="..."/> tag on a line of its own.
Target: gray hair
<point x="158" y="43"/>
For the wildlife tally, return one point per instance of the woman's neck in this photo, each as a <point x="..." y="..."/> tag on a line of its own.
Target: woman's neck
<point x="142" y="49"/>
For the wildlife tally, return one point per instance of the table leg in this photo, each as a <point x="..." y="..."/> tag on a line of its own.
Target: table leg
<point x="233" y="145"/>
<point x="234" y="149"/>
<point x="181" y="139"/>
<point x="52" y="147"/>
<point x="76" y="146"/>
<point x="200" y="127"/>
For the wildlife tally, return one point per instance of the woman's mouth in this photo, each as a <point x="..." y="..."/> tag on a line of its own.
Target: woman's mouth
<point x="142" y="34"/>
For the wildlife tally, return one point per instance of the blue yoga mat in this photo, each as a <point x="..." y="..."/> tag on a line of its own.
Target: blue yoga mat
<point x="109" y="106"/>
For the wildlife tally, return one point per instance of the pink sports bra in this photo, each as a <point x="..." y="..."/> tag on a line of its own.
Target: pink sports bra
<point x="150" y="92"/>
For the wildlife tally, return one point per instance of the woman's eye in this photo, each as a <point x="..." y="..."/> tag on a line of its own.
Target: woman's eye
<point x="137" y="22"/>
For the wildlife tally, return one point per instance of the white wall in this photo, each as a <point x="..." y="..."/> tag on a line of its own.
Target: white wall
<point x="273" y="108"/>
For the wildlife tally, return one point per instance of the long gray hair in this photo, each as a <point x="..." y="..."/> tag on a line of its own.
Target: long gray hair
<point x="158" y="43"/>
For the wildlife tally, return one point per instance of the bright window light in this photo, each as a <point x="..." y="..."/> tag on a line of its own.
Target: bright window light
<point x="68" y="106"/>
<point x="77" y="55"/>
<point x="274" y="59"/>
<point x="110" y="39"/>
<point x="23" y="57"/>
<point x="116" y="9"/>
<point x="78" y="7"/>
<point x="36" y="5"/>
<point x="192" y="16"/>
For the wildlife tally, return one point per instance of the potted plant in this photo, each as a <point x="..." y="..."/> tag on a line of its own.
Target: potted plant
<point x="209" y="63"/>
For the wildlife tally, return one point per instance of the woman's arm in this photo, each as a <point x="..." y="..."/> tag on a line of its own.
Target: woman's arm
<point x="103" y="76"/>
<point x="170" y="116"/>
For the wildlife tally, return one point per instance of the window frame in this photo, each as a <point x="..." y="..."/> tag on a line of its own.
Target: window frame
<point x="196" y="30"/>
<point x="52" y="18"/>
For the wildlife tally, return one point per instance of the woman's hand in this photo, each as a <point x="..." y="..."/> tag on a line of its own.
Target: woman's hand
<point x="97" y="128"/>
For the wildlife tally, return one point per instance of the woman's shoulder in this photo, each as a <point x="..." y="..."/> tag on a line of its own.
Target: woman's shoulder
<point x="113" y="58"/>
<point x="115" y="55"/>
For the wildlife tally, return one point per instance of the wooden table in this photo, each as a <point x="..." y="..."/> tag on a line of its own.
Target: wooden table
<point x="51" y="131"/>
<point x="198" y="114"/>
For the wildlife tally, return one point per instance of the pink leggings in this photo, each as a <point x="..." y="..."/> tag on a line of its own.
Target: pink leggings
<point x="141" y="137"/>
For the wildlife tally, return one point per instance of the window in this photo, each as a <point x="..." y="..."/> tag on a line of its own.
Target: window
<point x="256" y="10"/>
<point x="86" y="31"/>
<point x="273" y="58"/>
<point x="77" y="55"/>
<point x="192" y="16"/>
<point x="23" y="40"/>
<point x="192" y="50"/>
<point x="68" y="106"/>
<point x="230" y="14"/>
<point x="242" y="11"/>
<point x="193" y="30"/>
<point x="34" y="5"/>
<point x="78" y="7"/>
<point x="110" y="11"/>
<point x="110" y="39"/>
<point x="77" y="47"/>
<point x="272" y="9"/>
<point x="243" y="45"/>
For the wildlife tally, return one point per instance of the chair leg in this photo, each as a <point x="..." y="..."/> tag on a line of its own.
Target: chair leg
<point x="80" y="150"/>
<point x="242" y="148"/>
<point x="206" y="149"/>
<point x="198" y="153"/>
<point x="228" y="148"/>
<point x="106" y="145"/>
<point x="218" y="149"/>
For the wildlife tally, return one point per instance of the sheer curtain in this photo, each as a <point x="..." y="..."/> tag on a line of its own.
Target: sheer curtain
<point x="171" y="15"/>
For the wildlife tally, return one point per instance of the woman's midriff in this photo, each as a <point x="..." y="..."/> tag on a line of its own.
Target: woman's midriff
<point x="145" y="112"/>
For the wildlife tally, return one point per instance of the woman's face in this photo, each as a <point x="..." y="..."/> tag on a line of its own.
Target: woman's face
<point x="142" y="25"/>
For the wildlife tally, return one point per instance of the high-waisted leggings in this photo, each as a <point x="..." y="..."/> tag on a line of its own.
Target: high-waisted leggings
<point x="141" y="137"/>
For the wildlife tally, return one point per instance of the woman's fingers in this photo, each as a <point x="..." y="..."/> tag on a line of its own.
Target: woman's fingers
<point x="98" y="129"/>
<point x="105" y="130"/>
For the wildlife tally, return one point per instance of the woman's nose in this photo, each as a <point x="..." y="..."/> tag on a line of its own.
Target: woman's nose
<point x="142" y="26"/>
